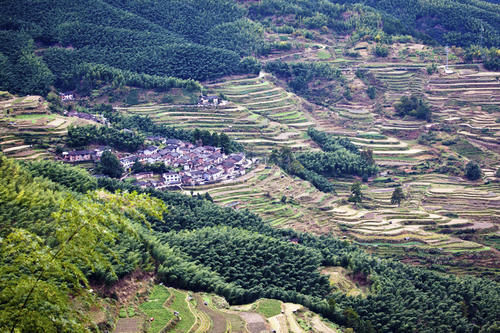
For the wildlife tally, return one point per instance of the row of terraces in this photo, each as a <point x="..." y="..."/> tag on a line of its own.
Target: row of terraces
<point x="259" y="114"/>
<point x="471" y="100"/>
<point x="398" y="80"/>
<point x="27" y="124"/>
<point x="279" y="110"/>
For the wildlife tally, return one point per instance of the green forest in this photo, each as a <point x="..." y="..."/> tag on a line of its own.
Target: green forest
<point x="460" y="23"/>
<point x="194" y="244"/>
<point x="158" y="44"/>
<point x="336" y="105"/>
<point x="339" y="158"/>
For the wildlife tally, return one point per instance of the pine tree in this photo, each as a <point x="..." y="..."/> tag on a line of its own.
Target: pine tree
<point x="472" y="171"/>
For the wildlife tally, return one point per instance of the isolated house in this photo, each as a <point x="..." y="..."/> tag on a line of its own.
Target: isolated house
<point x="67" y="96"/>
<point x="209" y="100"/>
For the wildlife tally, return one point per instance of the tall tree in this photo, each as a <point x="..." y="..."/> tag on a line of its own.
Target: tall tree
<point x="397" y="196"/>
<point x="356" y="194"/>
<point x="110" y="165"/>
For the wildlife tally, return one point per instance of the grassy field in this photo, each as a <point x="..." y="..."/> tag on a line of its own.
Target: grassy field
<point x="180" y="305"/>
<point x="154" y="308"/>
<point x="269" y="307"/>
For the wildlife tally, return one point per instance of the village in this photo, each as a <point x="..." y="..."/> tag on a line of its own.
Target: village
<point x="189" y="164"/>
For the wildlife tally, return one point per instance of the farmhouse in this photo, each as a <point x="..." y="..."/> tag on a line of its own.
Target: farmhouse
<point x="65" y="97"/>
<point x="80" y="156"/>
<point x="150" y="150"/>
<point x="209" y="100"/>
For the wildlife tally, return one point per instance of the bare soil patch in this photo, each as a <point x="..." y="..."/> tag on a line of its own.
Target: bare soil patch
<point x="255" y="322"/>
<point x="129" y="325"/>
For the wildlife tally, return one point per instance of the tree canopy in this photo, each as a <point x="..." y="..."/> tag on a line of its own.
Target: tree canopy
<point x="198" y="245"/>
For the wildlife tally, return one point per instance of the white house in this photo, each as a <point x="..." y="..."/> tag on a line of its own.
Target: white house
<point x="171" y="177"/>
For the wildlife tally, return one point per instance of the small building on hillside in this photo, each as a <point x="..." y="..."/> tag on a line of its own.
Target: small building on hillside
<point x="80" y="156"/>
<point x="213" y="100"/>
<point x="67" y="96"/>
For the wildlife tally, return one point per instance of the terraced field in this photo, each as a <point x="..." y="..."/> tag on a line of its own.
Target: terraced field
<point x="263" y="193"/>
<point x="470" y="99"/>
<point x="399" y="80"/>
<point x="435" y="217"/>
<point x="29" y="128"/>
<point x="259" y="114"/>
<point x="174" y="310"/>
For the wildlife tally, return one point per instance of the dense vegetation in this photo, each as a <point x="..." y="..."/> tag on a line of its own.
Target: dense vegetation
<point x="287" y="160"/>
<point x="302" y="78"/>
<point x="340" y="158"/>
<point x="460" y="23"/>
<point x="151" y="44"/>
<point x="413" y="106"/>
<point x="253" y="266"/>
<point x="241" y="248"/>
<point x="120" y="41"/>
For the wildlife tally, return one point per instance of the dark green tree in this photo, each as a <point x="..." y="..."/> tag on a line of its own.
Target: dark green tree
<point x="283" y="199"/>
<point x="472" y="171"/>
<point x="356" y="194"/>
<point x="397" y="196"/>
<point x="110" y="165"/>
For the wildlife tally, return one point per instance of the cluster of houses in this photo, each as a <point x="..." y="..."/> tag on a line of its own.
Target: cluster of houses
<point x="195" y="165"/>
<point x="67" y="96"/>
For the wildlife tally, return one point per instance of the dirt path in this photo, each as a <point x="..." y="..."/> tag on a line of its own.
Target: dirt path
<point x="321" y="327"/>
<point x="293" y="325"/>
<point x="218" y="321"/>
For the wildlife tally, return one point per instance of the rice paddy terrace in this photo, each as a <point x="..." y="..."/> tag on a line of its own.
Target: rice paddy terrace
<point x="470" y="99"/>
<point x="173" y="310"/>
<point x="442" y="215"/>
<point x="260" y="114"/>
<point x="28" y="128"/>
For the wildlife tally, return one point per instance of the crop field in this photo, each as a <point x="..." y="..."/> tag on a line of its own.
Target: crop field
<point x="155" y="308"/>
<point x="469" y="99"/>
<point x="439" y="215"/>
<point x="29" y="128"/>
<point x="260" y="115"/>
<point x="202" y="313"/>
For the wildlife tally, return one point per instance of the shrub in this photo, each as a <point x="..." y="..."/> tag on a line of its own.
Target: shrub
<point x="472" y="171"/>
<point x="371" y="92"/>
<point x="381" y="51"/>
